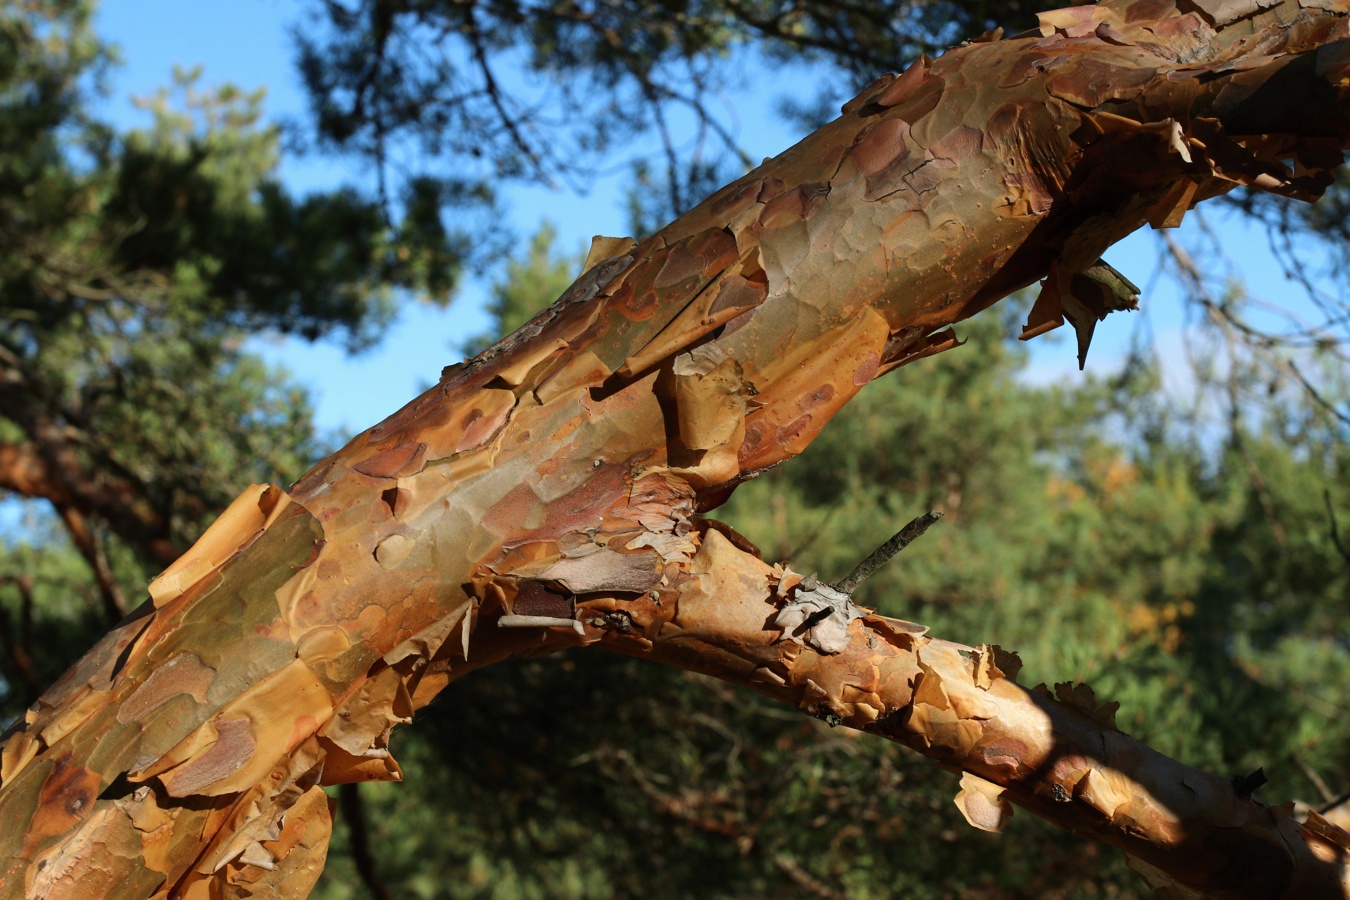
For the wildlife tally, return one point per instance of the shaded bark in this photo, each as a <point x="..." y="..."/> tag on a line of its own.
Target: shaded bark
<point x="551" y="492"/>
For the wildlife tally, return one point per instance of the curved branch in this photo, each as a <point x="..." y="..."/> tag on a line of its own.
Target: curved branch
<point x="553" y="483"/>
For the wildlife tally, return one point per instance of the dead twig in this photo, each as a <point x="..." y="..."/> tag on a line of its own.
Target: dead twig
<point x="882" y="555"/>
<point x="804" y="879"/>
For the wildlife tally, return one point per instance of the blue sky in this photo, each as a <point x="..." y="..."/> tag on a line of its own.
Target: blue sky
<point x="248" y="42"/>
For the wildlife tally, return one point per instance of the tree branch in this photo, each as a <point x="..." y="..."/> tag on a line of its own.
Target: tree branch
<point x="887" y="551"/>
<point x="19" y="638"/>
<point x="558" y="478"/>
<point x="1057" y="755"/>
<point x="49" y="467"/>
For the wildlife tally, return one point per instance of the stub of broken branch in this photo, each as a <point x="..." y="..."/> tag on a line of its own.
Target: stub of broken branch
<point x="887" y="551"/>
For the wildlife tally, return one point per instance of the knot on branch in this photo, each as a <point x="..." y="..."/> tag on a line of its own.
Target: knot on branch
<point x="818" y="615"/>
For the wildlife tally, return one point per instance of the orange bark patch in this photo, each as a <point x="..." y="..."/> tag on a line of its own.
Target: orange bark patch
<point x="868" y="370"/>
<point x="881" y="146"/>
<point x="902" y="88"/>
<point x="1091" y="82"/>
<point x="958" y="144"/>
<point x="395" y="462"/>
<point x="66" y="799"/>
<point x="233" y="746"/>
<point x="239" y="524"/>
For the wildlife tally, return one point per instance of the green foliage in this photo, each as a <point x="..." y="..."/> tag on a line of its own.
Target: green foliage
<point x="599" y="776"/>
<point x="1098" y="528"/>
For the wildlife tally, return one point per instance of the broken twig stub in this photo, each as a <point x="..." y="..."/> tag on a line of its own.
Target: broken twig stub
<point x="883" y="554"/>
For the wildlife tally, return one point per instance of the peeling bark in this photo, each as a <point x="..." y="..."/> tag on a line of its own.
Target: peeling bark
<point x="550" y="492"/>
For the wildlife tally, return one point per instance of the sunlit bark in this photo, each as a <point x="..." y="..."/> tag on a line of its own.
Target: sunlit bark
<point x="549" y="492"/>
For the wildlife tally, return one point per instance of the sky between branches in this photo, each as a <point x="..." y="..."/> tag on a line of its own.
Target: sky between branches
<point x="248" y="43"/>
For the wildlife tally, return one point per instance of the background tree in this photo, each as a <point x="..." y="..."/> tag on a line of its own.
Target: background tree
<point x="494" y="91"/>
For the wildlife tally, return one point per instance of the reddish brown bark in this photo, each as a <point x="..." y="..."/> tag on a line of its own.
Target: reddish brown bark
<point x="49" y="467"/>
<point x="85" y="495"/>
<point x="548" y="493"/>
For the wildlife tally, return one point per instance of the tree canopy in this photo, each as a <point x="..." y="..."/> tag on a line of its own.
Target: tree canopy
<point x="476" y="93"/>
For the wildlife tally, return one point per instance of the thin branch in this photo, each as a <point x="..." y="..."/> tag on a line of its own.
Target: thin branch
<point x="1335" y="527"/>
<point x="1315" y="779"/>
<point x="494" y="93"/>
<point x="1237" y="331"/>
<point x="1335" y="802"/>
<point x="804" y="879"/>
<point x="84" y="535"/>
<point x="883" y="554"/>
<point x="19" y="641"/>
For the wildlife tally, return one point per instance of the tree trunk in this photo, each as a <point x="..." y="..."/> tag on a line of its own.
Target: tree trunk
<point x="549" y="492"/>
